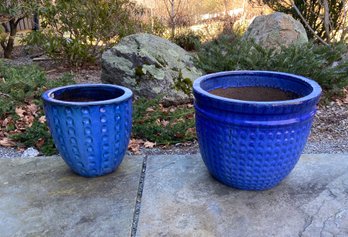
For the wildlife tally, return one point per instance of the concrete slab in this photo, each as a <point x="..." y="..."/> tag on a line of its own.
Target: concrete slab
<point x="42" y="197"/>
<point x="180" y="198"/>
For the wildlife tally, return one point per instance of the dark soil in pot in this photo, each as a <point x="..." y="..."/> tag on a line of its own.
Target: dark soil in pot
<point x="87" y="94"/>
<point x="77" y="99"/>
<point x="254" y="93"/>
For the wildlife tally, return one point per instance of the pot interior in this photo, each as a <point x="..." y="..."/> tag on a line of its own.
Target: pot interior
<point x="255" y="93"/>
<point x="257" y="87"/>
<point x="87" y="94"/>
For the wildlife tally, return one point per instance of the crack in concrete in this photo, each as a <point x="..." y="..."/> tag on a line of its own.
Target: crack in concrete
<point x="338" y="215"/>
<point x="331" y="194"/>
<point x="308" y="222"/>
<point x="334" y="217"/>
<point x="309" y="219"/>
<point x="137" y="207"/>
<point x="324" y="226"/>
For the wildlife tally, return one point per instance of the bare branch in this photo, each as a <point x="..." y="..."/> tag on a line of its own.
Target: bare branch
<point x="3" y="45"/>
<point x="4" y="95"/>
<point x="18" y="20"/>
<point x="5" y="27"/>
<point x="167" y="7"/>
<point x="307" y="25"/>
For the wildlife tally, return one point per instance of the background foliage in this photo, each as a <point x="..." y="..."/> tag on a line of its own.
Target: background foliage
<point x="21" y="113"/>
<point x="313" y="13"/>
<point x="155" y="123"/>
<point x="78" y="31"/>
<point x="11" y="13"/>
<point x="309" y="60"/>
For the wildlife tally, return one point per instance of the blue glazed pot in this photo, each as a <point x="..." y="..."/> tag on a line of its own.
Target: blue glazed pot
<point x="253" y="145"/>
<point x="90" y="125"/>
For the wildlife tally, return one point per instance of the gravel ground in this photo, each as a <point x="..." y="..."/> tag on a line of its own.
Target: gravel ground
<point x="91" y="75"/>
<point x="9" y="153"/>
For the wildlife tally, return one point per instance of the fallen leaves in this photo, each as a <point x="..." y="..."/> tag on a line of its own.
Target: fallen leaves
<point x="150" y="109"/>
<point x="33" y="108"/>
<point x="27" y="114"/>
<point x="7" y="142"/>
<point x="12" y="125"/>
<point x="343" y="100"/>
<point x="42" y="119"/>
<point x="40" y="143"/>
<point x="163" y="123"/>
<point x="148" y="144"/>
<point x="20" y="111"/>
<point x="135" y="145"/>
<point x="6" y="121"/>
<point x="161" y="126"/>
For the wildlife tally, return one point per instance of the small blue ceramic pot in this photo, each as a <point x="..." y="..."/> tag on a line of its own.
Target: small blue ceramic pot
<point x="90" y="125"/>
<point x="253" y="145"/>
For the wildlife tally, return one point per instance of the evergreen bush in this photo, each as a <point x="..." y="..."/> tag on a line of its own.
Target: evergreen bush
<point x="21" y="106"/>
<point x="310" y="60"/>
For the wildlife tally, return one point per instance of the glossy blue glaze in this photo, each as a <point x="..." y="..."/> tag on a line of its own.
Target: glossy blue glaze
<point x="92" y="137"/>
<point x="253" y="145"/>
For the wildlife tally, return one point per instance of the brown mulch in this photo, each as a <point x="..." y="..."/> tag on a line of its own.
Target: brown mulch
<point x="331" y="122"/>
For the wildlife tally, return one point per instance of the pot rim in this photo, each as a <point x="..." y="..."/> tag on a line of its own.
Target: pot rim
<point x="47" y="95"/>
<point x="316" y="89"/>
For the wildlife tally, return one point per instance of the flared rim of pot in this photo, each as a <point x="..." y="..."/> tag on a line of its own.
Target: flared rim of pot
<point x="109" y="94"/>
<point x="310" y="89"/>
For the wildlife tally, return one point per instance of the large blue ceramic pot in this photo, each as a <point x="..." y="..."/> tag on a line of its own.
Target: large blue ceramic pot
<point x="253" y="145"/>
<point x="90" y="125"/>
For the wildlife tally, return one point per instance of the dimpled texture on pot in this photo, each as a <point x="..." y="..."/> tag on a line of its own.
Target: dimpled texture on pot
<point x="91" y="139"/>
<point x="252" y="145"/>
<point x="250" y="158"/>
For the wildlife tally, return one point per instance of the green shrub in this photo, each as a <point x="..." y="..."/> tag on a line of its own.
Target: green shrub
<point x="24" y="84"/>
<point x="21" y="88"/>
<point x="155" y="27"/>
<point x="153" y="122"/>
<point x="34" y="135"/>
<point x="79" y="31"/>
<point x="18" y="85"/>
<point x="309" y="60"/>
<point x="188" y="39"/>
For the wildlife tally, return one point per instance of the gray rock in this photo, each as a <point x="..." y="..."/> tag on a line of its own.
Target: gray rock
<point x="30" y="152"/>
<point x="150" y="66"/>
<point x="276" y="30"/>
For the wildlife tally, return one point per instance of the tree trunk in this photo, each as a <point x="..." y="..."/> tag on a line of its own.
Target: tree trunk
<point x="226" y="8"/>
<point x="10" y="42"/>
<point x="172" y="18"/>
<point x="344" y="23"/>
<point x="327" y="20"/>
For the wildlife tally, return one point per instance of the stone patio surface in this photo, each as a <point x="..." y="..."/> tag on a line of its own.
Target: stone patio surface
<point x="42" y="197"/>
<point x="175" y="196"/>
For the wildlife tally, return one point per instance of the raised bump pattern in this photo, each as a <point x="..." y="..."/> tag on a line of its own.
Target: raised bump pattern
<point x="92" y="140"/>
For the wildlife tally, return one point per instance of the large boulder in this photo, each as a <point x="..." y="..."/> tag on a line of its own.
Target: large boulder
<point x="150" y="66"/>
<point x="276" y="30"/>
